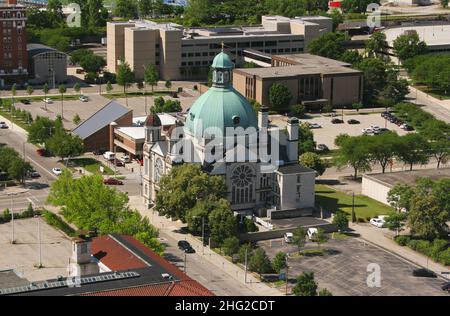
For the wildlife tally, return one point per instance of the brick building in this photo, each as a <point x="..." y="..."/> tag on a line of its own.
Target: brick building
<point x="13" y="47"/>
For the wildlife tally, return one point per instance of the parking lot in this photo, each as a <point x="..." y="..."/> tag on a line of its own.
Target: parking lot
<point x="328" y="131"/>
<point x="343" y="269"/>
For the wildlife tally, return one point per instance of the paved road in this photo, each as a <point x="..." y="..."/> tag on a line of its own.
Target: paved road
<point x="440" y="109"/>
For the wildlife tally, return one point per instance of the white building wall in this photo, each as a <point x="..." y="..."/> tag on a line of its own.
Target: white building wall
<point x="375" y="190"/>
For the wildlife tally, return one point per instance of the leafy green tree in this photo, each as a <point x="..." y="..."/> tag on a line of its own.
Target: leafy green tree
<point x="325" y="292"/>
<point x="396" y="221"/>
<point x="151" y="76"/>
<point x="305" y="286"/>
<point x="127" y="9"/>
<point x="65" y="145"/>
<point x="376" y="44"/>
<point x="279" y="96"/>
<point x="18" y="169"/>
<point x="298" y="110"/>
<point x="41" y="130"/>
<point x="313" y="161"/>
<point x="394" y="92"/>
<point x="93" y="63"/>
<point x="298" y="239"/>
<point x="76" y="119"/>
<point x="354" y="152"/>
<point x="259" y="262"/>
<point x="279" y="262"/>
<point x="426" y="218"/>
<point x="407" y="46"/>
<point x="150" y="241"/>
<point x="383" y="148"/>
<point x="399" y="197"/>
<point x="125" y="76"/>
<point x="306" y="141"/>
<point x="320" y="237"/>
<point x="80" y="54"/>
<point x="183" y="186"/>
<point x="30" y="90"/>
<point x="243" y="249"/>
<point x="62" y="89"/>
<point x="222" y="223"/>
<point x="341" y="221"/>
<point x="352" y="57"/>
<point x="77" y="87"/>
<point x="375" y="77"/>
<point x="168" y="84"/>
<point x="413" y="149"/>
<point x="444" y="3"/>
<point x="330" y="45"/>
<point x="230" y="245"/>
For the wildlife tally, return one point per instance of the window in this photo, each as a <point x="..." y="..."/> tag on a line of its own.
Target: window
<point x="83" y="248"/>
<point x="242" y="185"/>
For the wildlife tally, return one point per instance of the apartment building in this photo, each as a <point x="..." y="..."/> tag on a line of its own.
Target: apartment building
<point x="313" y="81"/>
<point x="182" y="53"/>
<point x="13" y="47"/>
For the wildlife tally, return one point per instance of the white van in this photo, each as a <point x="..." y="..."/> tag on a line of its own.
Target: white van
<point x="109" y="155"/>
<point x="311" y="232"/>
<point x="288" y="237"/>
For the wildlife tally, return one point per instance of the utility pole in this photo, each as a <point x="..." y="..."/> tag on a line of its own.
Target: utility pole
<point x="353" y="205"/>
<point x="185" y="262"/>
<point x="245" y="275"/>
<point x="287" y="278"/>
<point x="12" y="219"/>
<point x="39" y="241"/>
<point x="203" y="235"/>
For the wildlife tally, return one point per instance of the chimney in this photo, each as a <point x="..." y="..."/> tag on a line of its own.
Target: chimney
<point x="112" y="127"/>
<point x="263" y="117"/>
<point x="81" y="262"/>
<point x="292" y="140"/>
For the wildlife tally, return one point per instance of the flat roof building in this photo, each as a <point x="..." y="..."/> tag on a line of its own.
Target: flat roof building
<point x="312" y="80"/>
<point x="181" y="53"/>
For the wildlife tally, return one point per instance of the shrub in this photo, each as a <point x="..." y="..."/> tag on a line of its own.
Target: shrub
<point x="444" y="257"/>
<point x="56" y="221"/>
<point x="402" y="240"/>
<point x="230" y="246"/>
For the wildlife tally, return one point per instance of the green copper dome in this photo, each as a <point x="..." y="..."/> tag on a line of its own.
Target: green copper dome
<point x="221" y="106"/>
<point x="222" y="60"/>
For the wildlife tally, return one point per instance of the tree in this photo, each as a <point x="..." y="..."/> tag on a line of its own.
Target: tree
<point x="396" y="221"/>
<point x="298" y="238"/>
<point x="222" y="223"/>
<point x="230" y="245"/>
<point x="109" y="87"/>
<point x="127" y="9"/>
<point x="30" y="90"/>
<point x="298" y="110"/>
<point x="279" y="96"/>
<point x="18" y="169"/>
<point x="320" y="237"/>
<point x="93" y="63"/>
<point x="407" y="46"/>
<point x="354" y="152"/>
<point x="76" y="119"/>
<point x="352" y="57"/>
<point x="150" y="241"/>
<point x="376" y="44"/>
<point x="426" y="218"/>
<point x="305" y="286"/>
<point x="394" y="92"/>
<point x="375" y="77"/>
<point x="399" y="197"/>
<point x="259" y="262"/>
<point x="45" y="89"/>
<point x="313" y="161"/>
<point x="444" y="3"/>
<point x="413" y="149"/>
<point x="151" y="76"/>
<point x="77" y="87"/>
<point x="330" y="45"/>
<point x="168" y="84"/>
<point x="306" y="141"/>
<point x="62" y="89"/>
<point x="184" y="186"/>
<point x="13" y="92"/>
<point x="383" y="148"/>
<point x="41" y="130"/>
<point x="167" y="106"/>
<point x="340" y="220"/>
<point x="325" y="292"/>
<point x="244" y="249"/>
<point x="125" y="77"/>
<point x="279" y="262"/>
<point x="65" y="145"/>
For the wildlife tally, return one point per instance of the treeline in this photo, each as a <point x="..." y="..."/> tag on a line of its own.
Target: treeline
<point x="12" y="165"/>
<point x="91" y="205"/>
<point x="432" y="140"/>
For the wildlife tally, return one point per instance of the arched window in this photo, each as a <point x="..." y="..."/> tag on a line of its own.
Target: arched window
<point x="242" y="185"/>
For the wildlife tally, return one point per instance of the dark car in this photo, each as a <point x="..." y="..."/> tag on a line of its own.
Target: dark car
<point x="112" y="181"/>
<point x="26" y="101"/>
<point x="446" y="287"/>
<point x="408" y="128"/>
<point x="185" y="246"/>
<point x="322" y="148"/>
<point x="118" y="163"/>
<point x="99" y="152"/>
<point x="41" y="152"/>
<point x="353" y="121"/>
<point x="337" y="121"/>
<point x="424" y="273"/>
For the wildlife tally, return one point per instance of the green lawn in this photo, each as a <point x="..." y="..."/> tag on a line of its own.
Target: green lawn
<point x="15" y="120"/>
<point x="365" y="207"/>
<point x="91" y="165"/>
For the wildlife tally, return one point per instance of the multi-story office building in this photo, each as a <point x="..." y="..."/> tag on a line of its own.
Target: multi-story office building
<point x="181" y="53"/>
<point x="13" y="46"/>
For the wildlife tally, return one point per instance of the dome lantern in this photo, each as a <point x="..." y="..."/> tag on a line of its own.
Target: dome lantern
<point x="222" y="70"/>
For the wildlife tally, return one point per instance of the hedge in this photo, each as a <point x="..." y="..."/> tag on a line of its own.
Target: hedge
<point x="56" y="221"/>
<point x="438" y="249"/>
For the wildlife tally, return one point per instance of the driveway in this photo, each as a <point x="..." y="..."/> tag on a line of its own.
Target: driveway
<point x="343" y="269"/>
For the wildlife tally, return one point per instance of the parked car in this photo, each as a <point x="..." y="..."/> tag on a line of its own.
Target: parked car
<point x="112" y="181"/>
<point x="406" y="127"/>
<point x="125" y="159"/>
<point x="367" y="131"/>
<point x="80" y="71"/>
<point x="446" y="287"/>
<point x="337" y="121"/>
<point x="118" y="163"/>
<point x="57" y="171"/>
<point x="322" y="148"/>
<point x="311" y="232"/>
<point x="353" y="121"/>
<point x="3" y="125"/>
<point x="185" y="246"/>
<point x="424" y="273"/>
<point x="84" y="98"/>
<point x="34" y="174"/>
<point x="377" y="222"/>
<point x="288" y="237"/>
<point x="40" y="152"/>
<point x="386" y="114"/>
<point x="25" y="101"/>
<point x="314" y="125"/>
<point x="109" y="155"/>
<point x="99" y="152"/>
<point x="48" y="100"/>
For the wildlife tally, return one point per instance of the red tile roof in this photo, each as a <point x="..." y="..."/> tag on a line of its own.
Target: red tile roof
<point x="117" y="257"/>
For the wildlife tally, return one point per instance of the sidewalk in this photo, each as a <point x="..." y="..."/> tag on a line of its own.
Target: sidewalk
<point x="377" y="237"/>
<point x="171" y="227"/>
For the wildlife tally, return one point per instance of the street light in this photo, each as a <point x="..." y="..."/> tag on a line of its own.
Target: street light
<point x="12" y="194"/>
<point x="203" y="233"/>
